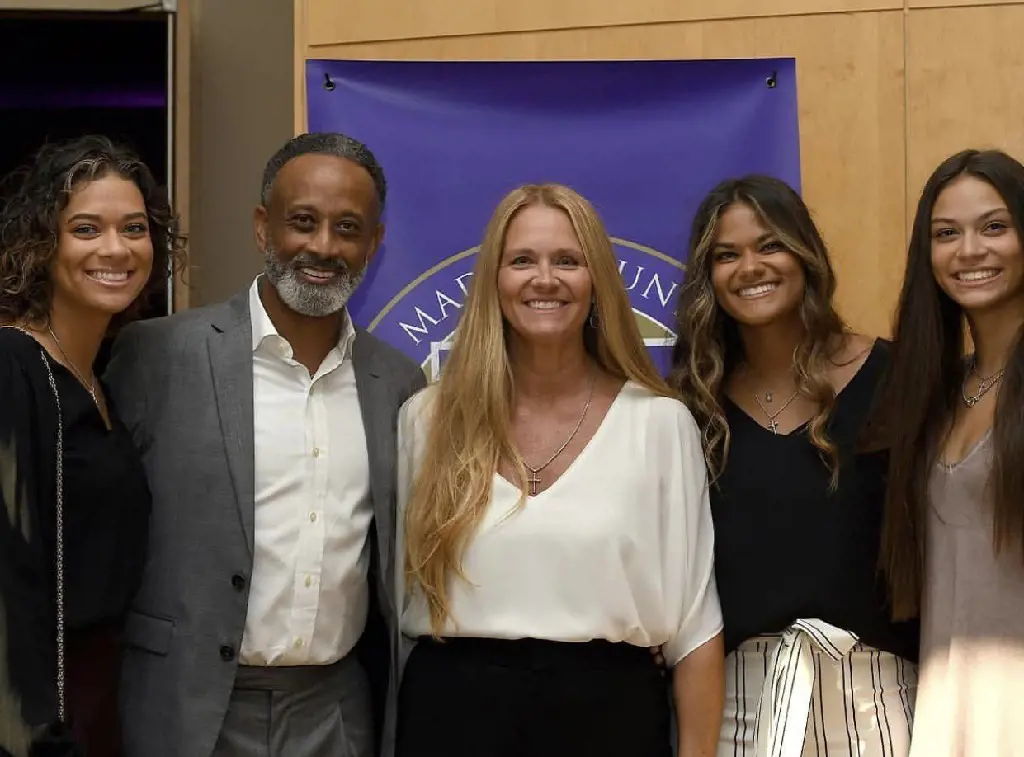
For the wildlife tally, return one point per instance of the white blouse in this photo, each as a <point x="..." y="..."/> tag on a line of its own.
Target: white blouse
<point x="620" y="547"/>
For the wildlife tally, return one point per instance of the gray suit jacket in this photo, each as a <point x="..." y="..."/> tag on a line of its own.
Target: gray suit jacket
<point x="183" y="385"/>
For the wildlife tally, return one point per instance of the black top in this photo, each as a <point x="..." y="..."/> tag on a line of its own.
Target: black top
<point x="786" y="547"/>
<point x="106" y="517"/>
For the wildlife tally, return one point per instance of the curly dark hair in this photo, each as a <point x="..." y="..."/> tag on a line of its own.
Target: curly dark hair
<point x="30" y="221"/>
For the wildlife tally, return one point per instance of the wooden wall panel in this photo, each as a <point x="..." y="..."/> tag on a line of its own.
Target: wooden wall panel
<point x="331" y="22"/>
<point x="958" y="3"/>
<point x="962" y="95"/>
<point x="850" y="88"/>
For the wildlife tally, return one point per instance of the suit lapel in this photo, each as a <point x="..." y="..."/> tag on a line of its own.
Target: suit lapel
<point x="376" y="407"/>
<point x="230" y="350"/>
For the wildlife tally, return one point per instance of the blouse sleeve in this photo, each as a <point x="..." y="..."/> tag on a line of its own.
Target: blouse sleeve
<point x="408" y="421"/>
<point x="28" y="669"/>
<point x="688" y="545"/>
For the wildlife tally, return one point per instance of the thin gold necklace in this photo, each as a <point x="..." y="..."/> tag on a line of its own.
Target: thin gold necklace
<point x="534" y="478"/>
<point x="773" y="424"/>
<point x="90" y="386"/>
<point x="769" y="396"/>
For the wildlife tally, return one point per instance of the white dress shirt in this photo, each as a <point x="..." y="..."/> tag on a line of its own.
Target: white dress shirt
<point x="308" y="595"/>
<point x="620" y="547"/>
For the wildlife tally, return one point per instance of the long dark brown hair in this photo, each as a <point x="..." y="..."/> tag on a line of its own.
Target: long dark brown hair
<point x="919" y="396"/>
<point x="708" y="346"/>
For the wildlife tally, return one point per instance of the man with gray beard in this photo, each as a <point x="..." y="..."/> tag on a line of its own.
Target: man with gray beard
<point x="267" y="426"/>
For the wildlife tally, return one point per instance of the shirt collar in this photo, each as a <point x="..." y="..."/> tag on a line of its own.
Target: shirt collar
<point x="263" y="329"/>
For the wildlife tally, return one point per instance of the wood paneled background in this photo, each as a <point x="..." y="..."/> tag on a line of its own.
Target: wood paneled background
<point x="887" y="88"/>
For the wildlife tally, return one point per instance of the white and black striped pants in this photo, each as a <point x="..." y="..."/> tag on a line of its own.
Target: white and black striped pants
<point x="816" y="691"/>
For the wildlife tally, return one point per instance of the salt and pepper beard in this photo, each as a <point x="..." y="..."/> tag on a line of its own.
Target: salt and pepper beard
<point x="314" y="300"/>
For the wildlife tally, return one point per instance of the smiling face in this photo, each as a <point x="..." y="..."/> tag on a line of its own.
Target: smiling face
<point x="544" y="285"/>
<point x="756" y="279"/>
<point x="975" y="249"/>
<point x="319" y="232"/>
<point x="104" y="250"/>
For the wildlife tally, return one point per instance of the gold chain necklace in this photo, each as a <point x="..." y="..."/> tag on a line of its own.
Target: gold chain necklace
<point x="773" y="425"/>
<point x="534" y="479"/>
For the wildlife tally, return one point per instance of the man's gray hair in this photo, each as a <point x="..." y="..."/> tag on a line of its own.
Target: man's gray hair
<point x="326" y="143"/>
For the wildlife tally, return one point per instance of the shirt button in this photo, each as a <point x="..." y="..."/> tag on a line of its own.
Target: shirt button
<point x="238" y="582"/>
<point x="316" y="452"/>
<point x="298" y="643"/>
<point x="312" y="517"/>
<point x="227" y="653"/>
<point x="309" y="581"/>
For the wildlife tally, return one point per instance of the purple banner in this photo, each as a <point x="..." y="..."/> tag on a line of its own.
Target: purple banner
<point x="83" y="99"/>
<point x="642" y="140"/>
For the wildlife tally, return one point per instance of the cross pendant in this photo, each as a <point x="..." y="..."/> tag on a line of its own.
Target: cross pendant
<point x="533" y="481"/>
<point x="774" y="426"/>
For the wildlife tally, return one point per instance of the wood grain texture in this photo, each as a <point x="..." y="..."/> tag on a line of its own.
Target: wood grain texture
<point x="962" y="95"/>
<point x="851" y="94"/>
<point x="332" y="22"/>
<point x="959" y="3"/>
<point x="301" y="36"/>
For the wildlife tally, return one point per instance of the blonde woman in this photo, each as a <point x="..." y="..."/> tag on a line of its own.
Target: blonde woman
<point x="556" y="520"/>
<point x="782" y="389"/>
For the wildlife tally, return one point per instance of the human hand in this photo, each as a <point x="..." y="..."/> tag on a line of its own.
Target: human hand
<point x="659" y="658"/>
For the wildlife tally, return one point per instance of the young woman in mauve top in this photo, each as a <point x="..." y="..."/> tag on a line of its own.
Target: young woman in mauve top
<point x="954" y="528"/>
<point x="86" y="237"/>
<point x="781" y="389"/>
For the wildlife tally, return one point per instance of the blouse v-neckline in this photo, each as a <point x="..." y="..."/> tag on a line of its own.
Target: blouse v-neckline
<point x="798" y="431"/>
<point x="591" y="442"/>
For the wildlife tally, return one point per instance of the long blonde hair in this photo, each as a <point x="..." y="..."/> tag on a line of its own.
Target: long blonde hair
<point x="708" y="347"/>
<point x="470" y="426"/>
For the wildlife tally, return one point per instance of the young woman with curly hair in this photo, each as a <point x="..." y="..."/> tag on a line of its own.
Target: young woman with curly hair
<point x="780" y="388"/>
<point x="86" y="238"/>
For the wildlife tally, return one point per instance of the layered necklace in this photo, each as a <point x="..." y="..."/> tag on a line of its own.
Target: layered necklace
<point x="534" y="479"/>
<point x="771" y="414"/>
<point x="773" y="424"/>
<point x="984" y="384"/>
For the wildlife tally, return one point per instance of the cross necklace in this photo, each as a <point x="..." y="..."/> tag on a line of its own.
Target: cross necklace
<point x="773" y="424"/>
<point x="534" y="478"/>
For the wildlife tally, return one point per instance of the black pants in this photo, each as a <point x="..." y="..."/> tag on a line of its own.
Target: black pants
<point x="530" y="698"/>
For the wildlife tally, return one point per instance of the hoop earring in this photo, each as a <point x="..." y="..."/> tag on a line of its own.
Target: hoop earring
<point x="593" y="319"/>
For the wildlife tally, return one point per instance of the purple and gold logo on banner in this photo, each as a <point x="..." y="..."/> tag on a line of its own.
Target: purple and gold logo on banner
<point x="643" y="141"/>
<point x="421" y="317"/>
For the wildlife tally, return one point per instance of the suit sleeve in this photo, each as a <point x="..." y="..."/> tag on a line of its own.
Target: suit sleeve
<point x="28" y="649"/>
